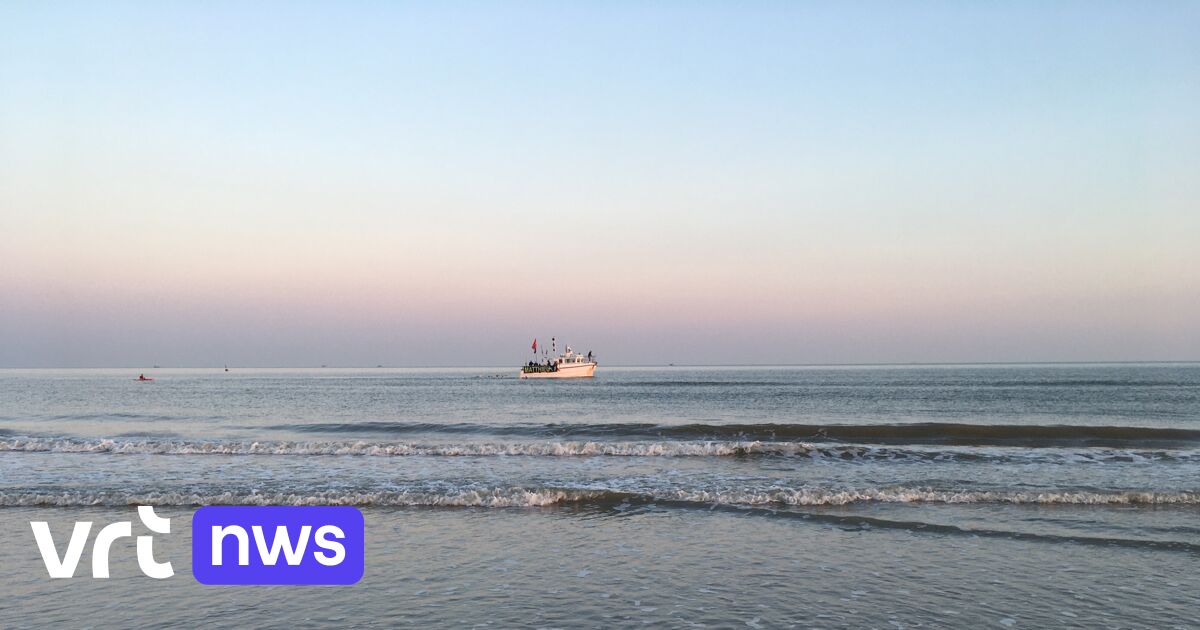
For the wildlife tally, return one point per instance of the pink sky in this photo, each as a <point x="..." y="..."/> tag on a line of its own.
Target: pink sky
<point x="780" y="186"/>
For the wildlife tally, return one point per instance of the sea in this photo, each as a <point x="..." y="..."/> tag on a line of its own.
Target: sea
<point x="1008" y="496"/>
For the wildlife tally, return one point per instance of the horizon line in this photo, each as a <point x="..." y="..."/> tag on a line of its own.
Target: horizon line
<point x="616" y="365"/>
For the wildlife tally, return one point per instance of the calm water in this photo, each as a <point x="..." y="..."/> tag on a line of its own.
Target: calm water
<point x="1019" y="496"/>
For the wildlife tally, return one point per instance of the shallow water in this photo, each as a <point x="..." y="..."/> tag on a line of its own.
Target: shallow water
<point x="1064" y="495"/>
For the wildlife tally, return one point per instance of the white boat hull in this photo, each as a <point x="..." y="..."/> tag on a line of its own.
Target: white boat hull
<point x="566" y="370"/>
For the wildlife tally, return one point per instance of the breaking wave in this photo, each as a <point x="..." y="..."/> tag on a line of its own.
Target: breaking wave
<point x="844" y="452"/>
<point x="403" y="449"/>
<point x="542" y="497"/>
<point x="817" y="497"/>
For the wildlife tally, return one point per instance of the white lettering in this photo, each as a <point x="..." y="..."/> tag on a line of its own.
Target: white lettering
<point x="219" y="533"/>
<point x="145" y="544"/>
<point x="104" y="541"/>
<point x="101" y="548"/>
<point x="338" y="549"/>
<point x="282" y="541"/>
<point x="45" y="542"/>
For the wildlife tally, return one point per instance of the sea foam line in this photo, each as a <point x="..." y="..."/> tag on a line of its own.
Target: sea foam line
<point x="845" y="452"/>
<point x="817" y="497"/>
<point x="403" y="449"/>
<point x="541" y="497"/>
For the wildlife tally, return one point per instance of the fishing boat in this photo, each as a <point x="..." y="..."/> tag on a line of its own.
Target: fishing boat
<point x="569" y="364"/>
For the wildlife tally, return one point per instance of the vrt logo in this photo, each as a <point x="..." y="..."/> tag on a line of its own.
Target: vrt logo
<point x="65" y="567"/>
<point x="312" y="544"/>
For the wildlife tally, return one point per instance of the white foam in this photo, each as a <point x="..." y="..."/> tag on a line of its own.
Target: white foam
<point x="400" y="449"/>
<point x="537" y="497"/>
<point x="851" y="452"/>
<point x="814" y="497"/>
<point x="495" y="497"/>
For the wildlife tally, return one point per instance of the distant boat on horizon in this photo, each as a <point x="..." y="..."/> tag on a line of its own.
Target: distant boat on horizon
<point x="569" y="364"/>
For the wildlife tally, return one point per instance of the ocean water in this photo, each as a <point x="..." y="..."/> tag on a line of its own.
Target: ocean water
<point x="925" y="496"/>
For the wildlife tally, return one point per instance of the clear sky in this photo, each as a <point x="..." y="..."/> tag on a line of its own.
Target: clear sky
<point x="436" y="183"/>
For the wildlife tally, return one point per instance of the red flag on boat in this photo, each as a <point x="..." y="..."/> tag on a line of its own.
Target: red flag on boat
<point x="535" y="345"/>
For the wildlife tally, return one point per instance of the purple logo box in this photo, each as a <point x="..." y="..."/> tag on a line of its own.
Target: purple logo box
<point x="278" y="545"/>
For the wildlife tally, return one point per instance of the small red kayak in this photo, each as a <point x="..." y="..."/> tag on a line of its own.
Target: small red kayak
<point x="143" y="378"/>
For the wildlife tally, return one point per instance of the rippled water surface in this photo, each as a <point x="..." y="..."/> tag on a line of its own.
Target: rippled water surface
<point x="1065" y="495"/>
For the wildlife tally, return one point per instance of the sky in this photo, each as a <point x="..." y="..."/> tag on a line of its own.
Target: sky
<point x="438" y="183"/>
